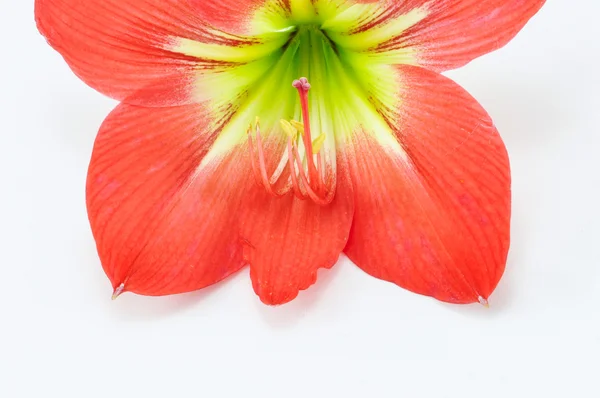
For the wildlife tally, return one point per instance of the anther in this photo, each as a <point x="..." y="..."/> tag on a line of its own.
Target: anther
<point x="317" y="144"/>
<point x="289" y="129"/>
<point x="297" y="125"/>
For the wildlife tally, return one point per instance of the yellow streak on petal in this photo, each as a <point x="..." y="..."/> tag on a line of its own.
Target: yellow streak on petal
<point x="302" y="10"/>
<point x="371" y="38"/>
<point x="239" y="54"/>
<point x="347" y="18"/>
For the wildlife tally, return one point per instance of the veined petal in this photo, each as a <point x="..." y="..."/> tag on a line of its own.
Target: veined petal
<point x="125" y="47"/>
<point x="440" y="34"/>
<point x="234" y="16"/>
<point x="287" y="239"/>
<point x="162" y="223"/>
<point x="435" y="217"/>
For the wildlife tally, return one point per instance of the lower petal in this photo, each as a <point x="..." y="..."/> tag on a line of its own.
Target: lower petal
<point x="433" y="214"/>
<point x="287" y="239"/>
<point x="163" y="223"/>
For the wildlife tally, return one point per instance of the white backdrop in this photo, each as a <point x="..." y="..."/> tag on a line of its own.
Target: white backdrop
<point x="350" y="335"/>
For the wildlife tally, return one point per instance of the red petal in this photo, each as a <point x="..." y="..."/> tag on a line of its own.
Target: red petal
<point x="288" y="240"/>
<point x="458" y="31"/>
<point x="233" y="16"/>
<point x="435" y="221"/>
<point x="118" y="46"/>
<point x="160" y="225"/>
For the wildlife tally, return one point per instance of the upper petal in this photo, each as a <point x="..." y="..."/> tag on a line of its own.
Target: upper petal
<point x="120" y="47"/>
<point x="442" y="34"/>
<point x="433" y="214"/>
<point x="164" y="222"/>
<point x="233" y="16"/>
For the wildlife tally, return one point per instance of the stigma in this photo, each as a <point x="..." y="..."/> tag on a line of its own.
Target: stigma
<point x="303" y="166"/>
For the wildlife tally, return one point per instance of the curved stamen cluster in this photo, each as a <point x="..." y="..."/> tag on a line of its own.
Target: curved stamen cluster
<point x="309" y="179"/>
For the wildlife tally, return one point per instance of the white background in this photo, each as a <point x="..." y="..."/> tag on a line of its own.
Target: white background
<point x="350" y="335"/>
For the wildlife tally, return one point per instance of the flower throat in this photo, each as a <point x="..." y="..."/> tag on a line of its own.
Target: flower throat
<point x="309" y="178"/>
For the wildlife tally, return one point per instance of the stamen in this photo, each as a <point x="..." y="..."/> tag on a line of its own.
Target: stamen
<point x="309" y="190"/>
<point x="293" y="176"/>
<point x="261" y="160"/>
<point x="310" y="180"/>
<point x="260" y="170"/>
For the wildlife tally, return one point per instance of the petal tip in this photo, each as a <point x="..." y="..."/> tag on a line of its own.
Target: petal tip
<point x="483" y="302"/>
<point x="118" y="291"/>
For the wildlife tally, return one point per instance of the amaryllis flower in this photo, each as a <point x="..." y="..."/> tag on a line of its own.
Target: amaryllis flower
<point x="281" y="133"/>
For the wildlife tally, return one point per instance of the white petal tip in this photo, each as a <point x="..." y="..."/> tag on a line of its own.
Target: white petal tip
<point x="484" y="302"/>
<point x="118" y="291"/>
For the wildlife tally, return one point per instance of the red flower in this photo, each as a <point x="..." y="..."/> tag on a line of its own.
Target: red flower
<point x="387" y="160"/>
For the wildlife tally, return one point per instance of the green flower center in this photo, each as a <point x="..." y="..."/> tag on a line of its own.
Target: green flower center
<point x="333" y="43"/>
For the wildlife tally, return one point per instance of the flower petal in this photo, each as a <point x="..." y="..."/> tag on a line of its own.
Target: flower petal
<point x="433" y="215"/>
<point x="233" y="16"/>
<point x="287" y="239"/>
<point x="120" y="47"/>
<point x="163" y="223"/>
<point x="443" y="34"/>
